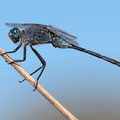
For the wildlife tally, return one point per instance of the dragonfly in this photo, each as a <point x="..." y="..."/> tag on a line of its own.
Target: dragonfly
<point x="36" y="34"/>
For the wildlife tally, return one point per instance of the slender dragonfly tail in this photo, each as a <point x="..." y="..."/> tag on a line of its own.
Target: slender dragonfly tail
<point x="96" y="55"/>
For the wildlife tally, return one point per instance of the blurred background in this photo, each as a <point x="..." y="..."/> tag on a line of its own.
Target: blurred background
<point x="87" y="86"/>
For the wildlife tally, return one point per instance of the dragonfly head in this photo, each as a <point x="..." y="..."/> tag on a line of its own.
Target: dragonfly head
<point x="14" y="35"/>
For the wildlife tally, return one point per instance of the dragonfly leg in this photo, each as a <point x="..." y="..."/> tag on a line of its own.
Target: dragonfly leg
<point x="30" y="74"/>
<point x="24" y="56"/>
<point x="13" y="50"/>
<point x="43" y="64"/>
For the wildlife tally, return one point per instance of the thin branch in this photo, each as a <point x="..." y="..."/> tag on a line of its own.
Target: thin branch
<point x="40" y="89"/>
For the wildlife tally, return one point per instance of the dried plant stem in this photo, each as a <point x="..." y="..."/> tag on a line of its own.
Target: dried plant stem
<point x="32" y="81"/>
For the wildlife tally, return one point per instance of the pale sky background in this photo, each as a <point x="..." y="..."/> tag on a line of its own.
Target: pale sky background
<point x="89" y="87"/>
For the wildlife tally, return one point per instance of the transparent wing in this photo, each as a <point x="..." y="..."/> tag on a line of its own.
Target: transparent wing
<point x="26" y="25"/>
<point x="72" y="41"/>
<point x="61" y="31"/>
<point x="64" y="35"/>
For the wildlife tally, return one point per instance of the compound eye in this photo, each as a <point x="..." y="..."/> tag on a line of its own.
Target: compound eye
<point x="15" y="32"/>
<point x="14" y="35"/>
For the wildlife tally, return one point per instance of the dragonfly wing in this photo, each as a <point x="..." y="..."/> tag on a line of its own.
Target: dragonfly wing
<point x="63" y="32"/>
<point x="26" y="25"/>
<point x="72" y="41"/>
<point x="64" y="35"/>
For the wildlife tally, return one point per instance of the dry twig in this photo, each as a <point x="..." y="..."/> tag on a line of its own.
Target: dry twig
<point x="40" y="89"/>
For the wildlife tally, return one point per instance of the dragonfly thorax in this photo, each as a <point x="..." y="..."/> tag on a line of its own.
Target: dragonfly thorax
<point x="14" y="35"/>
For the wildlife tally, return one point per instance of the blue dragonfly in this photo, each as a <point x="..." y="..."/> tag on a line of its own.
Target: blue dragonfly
<point x="35" y="34"/>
